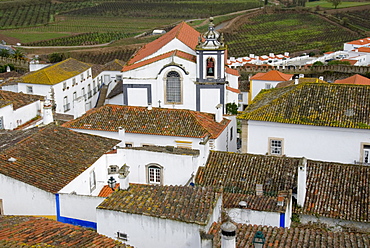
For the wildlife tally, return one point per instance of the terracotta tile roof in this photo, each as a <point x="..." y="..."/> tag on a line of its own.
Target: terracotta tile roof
<point x="335" y="105"/>
<point x="293" y="237"/>
<point x="355" y="79"/>
<point x="239" y="173"/>
<point x="42" y="163"/>
<point x="10" y="138"/>
<point x="183" y="32"/>
<point x="351" y="61"/>
<point x="363" y="41"/>
<point x="338" y="191"/>
<point x="11" y="74"/>
<point x="181" y="203"/>
<point x="157" y="121"/>
<point x="177" y="53"/>
<point x="232" y="71"/>
<point x="106" y="190"/>
<point x="364" y="49"/>
<point x="27" y="231"/>
<point x="167" y="149"/>
<point x="56" y="73"/>
<point x="233" y="89"/>
<point x="17" y="99"/>
<point x="300" y="81"/>
<point x="272" y="76"/>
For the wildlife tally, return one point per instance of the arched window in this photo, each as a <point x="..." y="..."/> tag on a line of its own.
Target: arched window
<point x="210" y="67"/>
<point x="173" y="87"/>
<point x="154" y="174"/>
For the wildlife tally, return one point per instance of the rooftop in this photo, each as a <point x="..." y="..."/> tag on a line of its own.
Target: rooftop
<point x="293" y="237"/>
<point x="42" y="163"/>
<point x="317" y="104"/>
<point x="183" y="32"/>
<point x="363" y="41"/>
<point x="180" y="203"/>
<point x="272" y="75"/>
<point x="56" y="73"/>
<point x="27" y="231"/>
<point x="167" y="149"/>
<point x="157" y="121"/>
<point x="17" y="99"/>
<point x="355" y="79"/>
<point x="300" y="81"/>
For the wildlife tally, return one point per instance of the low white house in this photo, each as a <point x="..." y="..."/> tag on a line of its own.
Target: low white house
<point x="19" y="110"/>
<point x="161" y="127"/>
<point x="326" y="122"/>
<point x="69" y="84"/>
<point x="53" y="172"/>
<point x="351" y="45"/>
<point x="266" y="80"/>
<point x="159" y="216"/>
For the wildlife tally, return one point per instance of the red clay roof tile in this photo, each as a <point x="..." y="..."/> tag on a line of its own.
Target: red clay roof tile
<point x="272" y="76"/>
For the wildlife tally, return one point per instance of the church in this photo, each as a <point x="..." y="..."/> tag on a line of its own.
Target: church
<point x="182" y="69"/>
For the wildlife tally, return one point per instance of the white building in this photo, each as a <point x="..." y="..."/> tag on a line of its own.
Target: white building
<point x="69" y="84"/>
<point x="356" y="44"/>
<point x="161" y="127"/>
<point x="18" y="110"/>
<point x="182" y="69"/>
<point x="159" y="216"/>
<point x="53" y="172"/>
<point x="326" y="122"/>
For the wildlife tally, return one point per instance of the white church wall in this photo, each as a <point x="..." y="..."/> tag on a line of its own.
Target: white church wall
<point x="331" y="144"/>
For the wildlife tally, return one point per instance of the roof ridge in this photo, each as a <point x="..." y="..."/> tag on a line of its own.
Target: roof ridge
<point x="193" y="113"/>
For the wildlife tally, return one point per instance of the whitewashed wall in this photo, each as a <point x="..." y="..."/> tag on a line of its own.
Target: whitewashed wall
<point x="8" y="117"/>
<point x="79" y="207"/>
<point x="257" y="85"/>
<point x="147" y="232"/>
<point x="223" y="142"/>
<point x="331" y="144"/>
<point x="253" y="217"/>
<point x="22" y="199"/>
<point x="27" y="113"/>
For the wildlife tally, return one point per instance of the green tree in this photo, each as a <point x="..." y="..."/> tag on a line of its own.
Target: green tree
<point x="318" y="63"/>
<point x="18" y="54"/>
<point x="335" y="3"/>
<point x="231" y="108"/>
<point x="55" y="57"/>
<point x="4" y="53"/>
<point x="339" y="62"/>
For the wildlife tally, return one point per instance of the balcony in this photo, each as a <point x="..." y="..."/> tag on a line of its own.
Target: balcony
<point x="89" y="94"/>
<point x="67" y="107"/>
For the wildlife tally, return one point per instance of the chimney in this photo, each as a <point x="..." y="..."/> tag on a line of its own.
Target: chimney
<point x="228" y="233"/>
<point x="296" y="80"/>
<point x="8" y="69"/>
<point x="121" y="136"/>
<point x="259" y="189"/>
<point x="301" y="75"/>
<point x="271" y="55"/>
<point x="251" y="55"/>
<point x="47" y="113"/>
<point x="123" y="177"/>
<point x="218" y="115"/>
<point x="149" y="106"/>
<point x="302" y="177"/>
<point x="321" y="78"/>
<point x="286" y="54"/>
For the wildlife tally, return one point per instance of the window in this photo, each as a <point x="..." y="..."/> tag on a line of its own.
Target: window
<point x="122" y="236"/>
<point x="240" y="97"/>
<point x="231" y="133"/>
<point x="66" y="105"/>
<point x="173" y="87"/>
<point x="118" y="78"/>
<point x="210" y="67"/>
<point x="113" y="169"/>
<point x="1" y="123"/>
<point x="82" y="77"/>
<point x="267" y="86"/>
<point x="94" y="87"/>
<point x="83" y="93"/>
<point x="73" y="81"/>
<point x="275" y="146"/>
<point x="128" y="144"/>
<point x="92" y="181"/>
<point x="154" y="174"/>
<point x="366" y="154"/>
<point x="88" y="73"/>
<point x="29" y="89"/>
<point x="64" y="85"/>
<point x="89" y="93"/>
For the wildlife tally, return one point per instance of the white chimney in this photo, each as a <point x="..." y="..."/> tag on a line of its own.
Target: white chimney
<point x="121" y="137"/>
<point x="286" y="54"/>
<point x="321" y="78"/>
<point x="123" y="177"/>
<point x="296" y="80"/>
<point x="301" y="75"/>
<point x="302" y="177"/>
<point x="149" y="106"/>
<point x="271" y="55"/>
<point x="47" y="113"/>
<point x="251" y="55"/>
<point x="8" y="69"/>
<point x="228" y="233"/>
<point x="218" y="115"/>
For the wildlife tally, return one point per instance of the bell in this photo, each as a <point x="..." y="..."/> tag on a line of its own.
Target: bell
<point x="210" y="70"/>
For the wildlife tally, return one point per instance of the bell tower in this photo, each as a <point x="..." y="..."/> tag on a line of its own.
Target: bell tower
<point x="211" y="57"/>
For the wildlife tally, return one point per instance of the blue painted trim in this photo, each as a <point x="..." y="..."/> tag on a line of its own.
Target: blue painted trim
<point x="198" y="87"/>
<point x="57" y="204"/>
<point x="77" y="222"/>
<point x="148" y="87"/>
<point x="282" y="219"/>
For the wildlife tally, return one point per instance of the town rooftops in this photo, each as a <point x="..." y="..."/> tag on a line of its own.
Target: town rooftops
<point x="50" y="157"/>
<point x="300" y="80"/>
<point x="364" y="49"/>
<point x="333" y="105"/>
<point x="157" y="121"/>
<point x="240" y="172"/>
<point x="180" y="203"/>
<point x="355" y="79"/>
<point x="272" y="75"/>
<point x="56" y="73"/>
<point x="303" y="237"/>
<point x="361" y="42"/>
<point x="17" y="99"/>
<point x="27" y="231"/>
<point x="183" y="32"/>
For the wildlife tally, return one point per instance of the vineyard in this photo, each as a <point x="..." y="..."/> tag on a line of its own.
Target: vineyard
<point x="359" y="18"/>
<point x="104" y="57"/>
<point x="286" y="32"/>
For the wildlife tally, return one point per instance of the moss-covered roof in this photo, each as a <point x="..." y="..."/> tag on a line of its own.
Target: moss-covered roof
<point x="56" y="73"/>
<point x="315" y="104"/>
